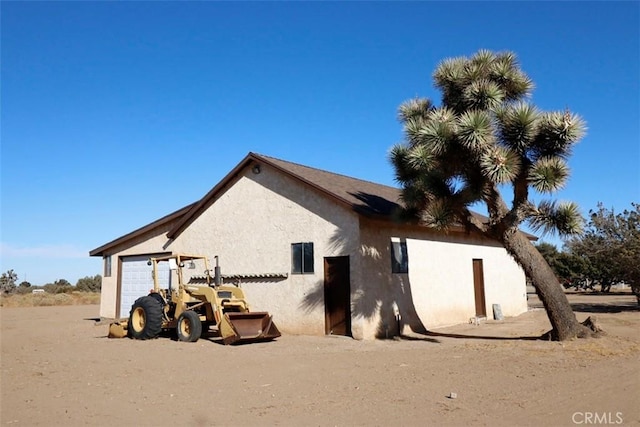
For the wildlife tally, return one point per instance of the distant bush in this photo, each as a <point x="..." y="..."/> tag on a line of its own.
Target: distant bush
<point x="89" y="284"/>
<point x="23" y="290"/>
<point x="60" y="286"/>
<point x="49" y="299"/>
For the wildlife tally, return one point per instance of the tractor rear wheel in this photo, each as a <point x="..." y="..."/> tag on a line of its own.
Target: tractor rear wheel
<point x="145" y="318"/>
<point x="189" y="326"/>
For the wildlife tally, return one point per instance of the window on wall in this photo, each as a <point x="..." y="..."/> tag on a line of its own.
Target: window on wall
<point x="302" y="258"/>
<point x="399" y="258"/>
<point x="107" y="266"/>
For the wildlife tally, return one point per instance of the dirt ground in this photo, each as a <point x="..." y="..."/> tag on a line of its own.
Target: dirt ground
<point x="59" y="369"/>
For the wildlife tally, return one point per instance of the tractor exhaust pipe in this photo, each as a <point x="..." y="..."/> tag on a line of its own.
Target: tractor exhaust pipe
<point x="217" y="277"/>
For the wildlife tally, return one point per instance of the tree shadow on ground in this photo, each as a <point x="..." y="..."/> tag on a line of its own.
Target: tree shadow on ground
<point x="598" y="293"/>
<point x="483" y="337"/>
<point x="605" y="308"/>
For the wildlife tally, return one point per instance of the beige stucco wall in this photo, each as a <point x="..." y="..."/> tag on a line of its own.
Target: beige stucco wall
<point x="108" y="294"/>
<point x="438" y="290"/>
<point x="251" y="228"/>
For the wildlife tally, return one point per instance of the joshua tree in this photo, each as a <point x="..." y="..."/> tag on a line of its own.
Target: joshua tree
<point x="486" y="137"/>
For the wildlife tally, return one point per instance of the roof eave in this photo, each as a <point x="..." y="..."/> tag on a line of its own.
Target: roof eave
<point x="103" y="250"/>
<point x="315" y="186"/>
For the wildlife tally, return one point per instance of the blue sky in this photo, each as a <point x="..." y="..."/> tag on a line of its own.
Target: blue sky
<point x="117" y="113"/>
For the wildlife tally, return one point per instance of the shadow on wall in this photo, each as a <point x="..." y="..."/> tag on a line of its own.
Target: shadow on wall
<point x="376" y="205"/>
<point x="377" y="293"/>
<point x="314" y="299"/>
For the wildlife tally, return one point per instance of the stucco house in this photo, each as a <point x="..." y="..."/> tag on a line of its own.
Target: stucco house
<point x="323" y="253"/>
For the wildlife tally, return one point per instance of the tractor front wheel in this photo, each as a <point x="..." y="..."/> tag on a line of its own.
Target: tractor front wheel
<point x="145" y="318"/>
<point x="189" y="326"/>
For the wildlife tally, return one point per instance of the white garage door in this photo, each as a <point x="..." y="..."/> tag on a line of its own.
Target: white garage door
<point x="137" y="280"/>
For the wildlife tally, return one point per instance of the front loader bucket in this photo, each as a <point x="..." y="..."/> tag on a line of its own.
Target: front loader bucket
<point x="118" y="330"/>
<point x="247" y="327"/>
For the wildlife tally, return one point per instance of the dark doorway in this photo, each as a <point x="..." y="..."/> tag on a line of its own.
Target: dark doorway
<point x="337" y="296"/>
<point x="478" y="287"/>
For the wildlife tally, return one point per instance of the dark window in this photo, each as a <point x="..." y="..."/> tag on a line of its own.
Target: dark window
<point x="107" y="266"/>
<point x="399" y="258"/>
<point x="302" y="258"/>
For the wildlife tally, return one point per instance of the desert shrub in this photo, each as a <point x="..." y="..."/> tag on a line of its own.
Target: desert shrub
<point x="22" y="290"/>
<point x="61" y="286"/>
<point x="47" y="299"/>
<point x="89" y="284"/>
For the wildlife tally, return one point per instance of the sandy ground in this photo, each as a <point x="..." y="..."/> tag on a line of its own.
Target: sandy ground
<point x="59" y="369"/>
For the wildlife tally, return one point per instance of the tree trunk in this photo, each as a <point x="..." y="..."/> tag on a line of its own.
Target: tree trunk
<point x="563" y="320"/>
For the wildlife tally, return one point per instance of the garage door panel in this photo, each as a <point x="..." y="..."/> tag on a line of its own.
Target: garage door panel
<point x="137" y="280"/>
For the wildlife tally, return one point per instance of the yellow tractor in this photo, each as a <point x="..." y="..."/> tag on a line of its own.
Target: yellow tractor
<point x="198" y="306"/>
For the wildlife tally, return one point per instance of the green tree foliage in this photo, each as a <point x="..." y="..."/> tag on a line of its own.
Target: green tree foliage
<point x="484" y="138"/>
<point x="24" y="287"/>
<point x="571" y="270"/>
<point x="610" y="247"/>
<point x="8" y="282"/>
<point x="89" y="284"/>
<point x="550" y="254"/>
<point x="60" y="286"/>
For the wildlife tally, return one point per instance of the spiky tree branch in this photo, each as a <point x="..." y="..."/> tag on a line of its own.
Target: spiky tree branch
<point x="484" y="135"/>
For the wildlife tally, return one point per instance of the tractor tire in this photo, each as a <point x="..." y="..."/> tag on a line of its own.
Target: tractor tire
<point x="145" y="318"/>
<point x="189" y="326"/>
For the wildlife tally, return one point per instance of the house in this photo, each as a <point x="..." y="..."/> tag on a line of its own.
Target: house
<point x="323" y="253"/>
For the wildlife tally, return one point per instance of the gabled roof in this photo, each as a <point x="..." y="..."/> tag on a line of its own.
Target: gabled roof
<point x="366" y="198"/>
